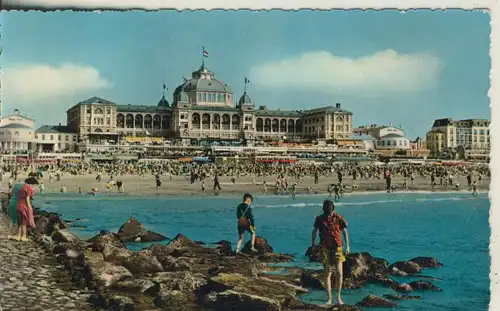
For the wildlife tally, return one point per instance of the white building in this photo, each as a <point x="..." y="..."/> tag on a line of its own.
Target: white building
<point x="17" y="133"/>
<point x="385" y="137"/>
<point x="55" y="138"/>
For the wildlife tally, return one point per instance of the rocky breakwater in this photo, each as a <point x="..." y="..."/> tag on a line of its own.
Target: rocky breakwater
<point x="362" y="268"/>
<point x="179" y="275"/>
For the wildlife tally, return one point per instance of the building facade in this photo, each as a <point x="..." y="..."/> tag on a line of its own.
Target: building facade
<point x="435" y="141"/>
<point x="17" y="133"/>
<point x="385" y="137"/>
<point x="203" y="109"/>
<point x="469" y="134"/>
<point x="55" y="138"/>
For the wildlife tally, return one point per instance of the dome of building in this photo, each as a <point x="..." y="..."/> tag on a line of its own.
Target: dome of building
<point x="245" y="99"/>
<point x="163" y="102"/>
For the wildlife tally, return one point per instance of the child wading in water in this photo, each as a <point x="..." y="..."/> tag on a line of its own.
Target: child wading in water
<point x="245" y="222"/>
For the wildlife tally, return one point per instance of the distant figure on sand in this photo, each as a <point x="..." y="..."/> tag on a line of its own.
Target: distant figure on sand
<point x="245" y="222"/>
<point x="119" y="185"/>
<point x="330" y="225"/>
<point x="158" y="181"/>
<point x="474" y="188"/>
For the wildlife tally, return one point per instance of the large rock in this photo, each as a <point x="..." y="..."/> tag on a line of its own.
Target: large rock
<point x="401" y="297"/>
<point x="130" y="230"/>
<point x="424" y="285"/>
<point x="64" y="236"/>
<point x="142" y="262"/>
<point x="261" y="246"/>
<point x="387" y="282"/>
<point x="134" y="285"/>
<point x="372" y="301"/>
<point x="104" y="238"/>
<point x="116" y="255"/>
<point x="42" y="225"/>
<point x="176" y="300"/>
<point x="407" y="267"/>
<point x="176" y="290"/>
<point x="313" y="253"/>
<point x="426" y="262"/>
<point x="231" y="300"/>
<point x="133" y="231"/>
<point x="99" y="273"/>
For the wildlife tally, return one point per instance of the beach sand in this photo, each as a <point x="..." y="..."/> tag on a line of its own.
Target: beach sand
<point x="179" y="185"/>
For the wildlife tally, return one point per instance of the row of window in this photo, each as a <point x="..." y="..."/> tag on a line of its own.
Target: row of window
<point x="59" y="137"/>
<point x="402" y="143"/>
<point x="322" y="119"/>
<point x="99" y="110"/>
<point x="213" y="97"/>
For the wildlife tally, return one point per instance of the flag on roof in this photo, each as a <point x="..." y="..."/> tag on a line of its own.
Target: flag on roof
<point x="205" y="53"/>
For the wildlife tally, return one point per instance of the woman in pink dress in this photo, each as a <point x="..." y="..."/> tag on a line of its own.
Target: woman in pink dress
<point x="24" y="210"/>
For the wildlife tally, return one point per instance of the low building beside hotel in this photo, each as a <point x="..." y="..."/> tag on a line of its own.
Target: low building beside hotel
<point x="385" y="137"/>
<point x="55" y="138"/>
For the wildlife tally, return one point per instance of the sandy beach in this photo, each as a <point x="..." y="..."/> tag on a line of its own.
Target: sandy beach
<point x="179" y="185"/>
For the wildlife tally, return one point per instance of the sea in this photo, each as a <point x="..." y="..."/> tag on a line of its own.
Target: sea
<point x="451" y="227"/>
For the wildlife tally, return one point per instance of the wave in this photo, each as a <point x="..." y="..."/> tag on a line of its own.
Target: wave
<point x="367" y="202"/>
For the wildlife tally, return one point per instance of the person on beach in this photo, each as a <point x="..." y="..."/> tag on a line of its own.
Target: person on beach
<point x="474" y="188"/>
<point x="119" y="185"/>
<point x="330" y="225"/>
<point x="245" y="222"/>
<point x="158" y="181"/>
<point x="12" y="206"/>
<point x="24" y="210"/>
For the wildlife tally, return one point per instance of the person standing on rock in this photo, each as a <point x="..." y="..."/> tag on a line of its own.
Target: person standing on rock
<point x="330" y="225"/>
<point x="24" y="210"/>
<point x="245" y="222"/>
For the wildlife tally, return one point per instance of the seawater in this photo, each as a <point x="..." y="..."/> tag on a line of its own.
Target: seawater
<point x="452" y="228"/>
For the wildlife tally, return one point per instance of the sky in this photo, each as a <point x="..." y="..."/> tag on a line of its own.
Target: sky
<point x="385" y="67"/>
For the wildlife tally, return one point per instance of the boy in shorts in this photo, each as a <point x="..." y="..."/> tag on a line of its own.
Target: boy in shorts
<point x="330" y="226"/>
<point x="245" y="222"/>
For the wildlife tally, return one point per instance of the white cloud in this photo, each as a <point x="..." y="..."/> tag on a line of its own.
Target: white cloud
<point x="26" y="83"/>
<point x="374" y="75"/>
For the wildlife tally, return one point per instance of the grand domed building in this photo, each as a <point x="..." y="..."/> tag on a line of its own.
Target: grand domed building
<point x="204" y="109"/>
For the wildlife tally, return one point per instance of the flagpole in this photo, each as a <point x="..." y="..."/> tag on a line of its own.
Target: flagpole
<point x="203" y="56"/>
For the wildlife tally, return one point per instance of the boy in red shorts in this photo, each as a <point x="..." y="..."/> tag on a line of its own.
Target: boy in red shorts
<point x="330" y="225"/>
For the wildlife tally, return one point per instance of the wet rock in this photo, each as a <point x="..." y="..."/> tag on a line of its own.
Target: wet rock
<point x="424" y="285"/>
<point x="180" y="241"/>
<point x="231" y="300"/>
<point x="407" y="267"/>
<point x="372" y="301"/>
<point x="42" y="225"/>
<point x="183" y="281"/>
<point x="99" y="300"/>
<point x="313" y="253"/>
<point x="312" y="279"/>
<point x="275" y="258"/>
<point x="402" y="287"/>
<point x="401" y="297"/>
<point x="133" y="231"/>
<point x="104" y="238"/>
<point x="225" y="248"/>
<point x="142" y="262"/>
<point x="426" y="262"/>
<point x="261" y="246"/>
<point x="176" y="300"/>
<point x="130" y="229"/>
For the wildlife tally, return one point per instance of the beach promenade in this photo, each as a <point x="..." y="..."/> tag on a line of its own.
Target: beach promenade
<point x="31" y="279"/>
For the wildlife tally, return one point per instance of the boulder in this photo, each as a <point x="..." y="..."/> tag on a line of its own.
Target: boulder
<point x="313" y="253"/>
<point x="175" y="264"/>
<point x="133" y="231"/>
<point x="180" y="241"/>
<point x="402" y="287"/>
<point x="176" y="300"/>
<point x="312" y="279"/>
<point x="42" y="224"/>
<point x="401" y="297"/>
<point x="149" y="236"/>
<point x="261" y="246"/>
<point x="142" y="262"/>
<point x="134" y="285"/>
<point x="130" y="230"/>
<point x="225" y="248"/>
<point x="104" y="238"/>
<point x="426" y="262"/>
<point x="183" y="281"/>
<point x="407" y="267"/>
<point x="231" y="300"/>
<point x="372" y="301"/>
<point x="99" y="273"/>
<point x="64" y="236"/>
<point x="424" y="285"/>
<point x="116" y="255"/>
<point x="120" y="303"/>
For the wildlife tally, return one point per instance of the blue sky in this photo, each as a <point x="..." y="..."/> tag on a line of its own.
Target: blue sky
<point x="405" y="68"/>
